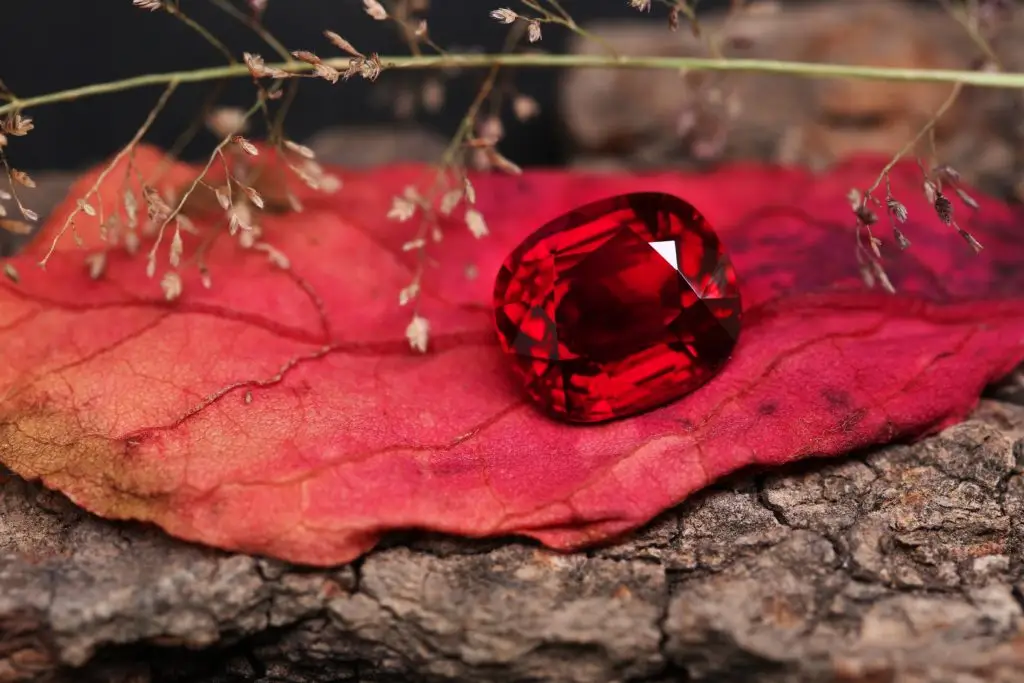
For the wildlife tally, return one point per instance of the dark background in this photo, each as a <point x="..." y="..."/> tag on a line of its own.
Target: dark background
<point x="50" y="45"/>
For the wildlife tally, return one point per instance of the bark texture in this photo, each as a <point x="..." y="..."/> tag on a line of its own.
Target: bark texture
<point x="902" y="564"/>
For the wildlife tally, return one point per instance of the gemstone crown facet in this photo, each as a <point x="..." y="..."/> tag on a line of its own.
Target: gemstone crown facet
<point x="617" y="307"/>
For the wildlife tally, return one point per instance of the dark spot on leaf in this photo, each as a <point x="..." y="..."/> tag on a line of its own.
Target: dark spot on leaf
<point x="836" y="398"/>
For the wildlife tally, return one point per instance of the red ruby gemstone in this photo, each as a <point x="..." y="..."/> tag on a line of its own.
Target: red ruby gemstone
<point x="617" y="307"/>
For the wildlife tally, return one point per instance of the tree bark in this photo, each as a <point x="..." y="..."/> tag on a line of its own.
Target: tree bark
<point x="900" y="564"/>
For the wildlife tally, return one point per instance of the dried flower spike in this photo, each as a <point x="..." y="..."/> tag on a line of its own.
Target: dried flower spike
<point x="944" y="209"/>
<point x="18" y="125"/>
<point x="375" y="10"/>
<point x="171" y="286"/>
<point x="22" y="178"/>
<point x="525" y="107"/>
<point x="898" y="211"/>
<point x="504" y="15"/>
<point x="246" y="146"/>
<point x="342" y="44"/>
<point x="418" y="333"/>
<point x="476" y="224"/>
<point x="533" y="32"/>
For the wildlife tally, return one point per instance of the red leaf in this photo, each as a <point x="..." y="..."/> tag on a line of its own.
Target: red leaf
<point x="137" y="409"/>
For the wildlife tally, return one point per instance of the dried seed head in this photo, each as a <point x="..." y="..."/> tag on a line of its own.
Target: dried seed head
<point x="859" y="206"/>
<point x="882" y="277"/>
<point x="294" y="203"/>
<point x="225" y="121"/>
<point x="504" y="15"/>
<point x="673" y="19"/>
<point x="171" y="284"/>
<point x="17" y="125"/>
<point x="525" y="107"/>
<point x="241" y="218"/>
<point x="418" y="333"/>
<point x="896" y="209"/>
<point x="155" y="204"/>
<point x="28" y="213"/>
<point x="533" y="32"/>
<point x="222" y="198"/>
<point x="257" y="67"/>
<point x="327" y="72"/>
<point x="901" y="239"/>
<point x="86" y="208"/>
<point x="413" y="245"/>
<point x="131" y="242"/>
<point x="966" y="198"/>
<point x="275" y="256"/>
<point x="931" y="191"/>
<point x="151" y="5"/>
<point x="499" y="161"/>
<point x="246" y="146"/>
<point x="342" y="44"/>
<point x="301" y="150"/>
<point x="975" y="244"/>
<point x="330" y="183"/>
<point x="642" y="5"/>
<point x="255" y="197"/>
<point x="11" y="273"/>
<point x="875" y="245"/>
<point x="449" y="201"/>
<point x="432" y="95"/>
<point x="408" y="293"/>
<point x="22" y="178"/>
<point x="476" y="224"/>
<point x="15" y="227"/>
<point x="492" y="130"/>
<point x="421" y="28"/>
<point x="375" y="10"/>
<point x="97" y="264"/>
<point x="948" y="172"/>
<point x="944" y="209"/>
<point x="470" y="191"/>
<point x="177" y="247"/>
<point x="305" y="56"/>
<point x="370" y="68"/>
<point x="401" y="210"/>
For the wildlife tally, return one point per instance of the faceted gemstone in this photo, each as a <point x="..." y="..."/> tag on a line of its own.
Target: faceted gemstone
<point x="617" y="307"/>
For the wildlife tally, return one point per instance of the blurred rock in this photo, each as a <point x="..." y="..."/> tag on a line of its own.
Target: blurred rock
<point x="361" y="146"/>
<point x="636" y="119"/>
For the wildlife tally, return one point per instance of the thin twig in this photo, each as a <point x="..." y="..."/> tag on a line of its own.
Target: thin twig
<point x="255" y="26"/>
<point x="195" y="183"/>
<point x="954" y="93"/>
<point x="176" y="12"/>
<point x="475" y="61"/>
<point x="127" y="149"/>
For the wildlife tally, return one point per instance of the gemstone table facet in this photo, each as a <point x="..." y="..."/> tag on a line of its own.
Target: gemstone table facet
<point x="617" y="307"/>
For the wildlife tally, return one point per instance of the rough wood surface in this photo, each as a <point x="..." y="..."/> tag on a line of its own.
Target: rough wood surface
<point x="903" y="564"/>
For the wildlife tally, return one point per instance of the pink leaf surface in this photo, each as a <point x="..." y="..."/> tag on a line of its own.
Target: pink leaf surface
<point x="282" y="412"/>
